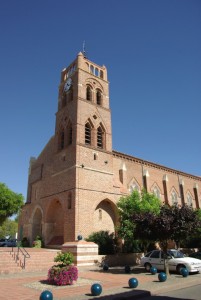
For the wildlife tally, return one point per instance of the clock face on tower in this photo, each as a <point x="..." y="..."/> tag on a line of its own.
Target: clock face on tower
<point x="67" y="84"/>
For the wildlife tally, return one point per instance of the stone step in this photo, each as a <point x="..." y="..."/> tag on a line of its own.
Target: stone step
<point x="40" y="260"/>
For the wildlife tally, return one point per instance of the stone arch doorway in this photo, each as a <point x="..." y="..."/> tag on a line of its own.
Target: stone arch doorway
<point x="105" y="216"/>
<point x="37" y="224"/>
<point x="54" y="232"/>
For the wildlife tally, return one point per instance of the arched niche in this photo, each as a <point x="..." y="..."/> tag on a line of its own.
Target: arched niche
<point x="105" y="216"/>
<point x="37" y="223"/>
<point x="54" y="223"/>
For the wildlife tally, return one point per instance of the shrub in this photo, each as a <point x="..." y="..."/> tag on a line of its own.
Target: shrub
<point x="37" y="243"/>
<point x="65" y="259"/>
<point x="25" y="242"/>
<point x="131" y="246"/>
<point x="136" y="246"/>
<point x="104" y="240"/>
<point x="62" y="276"/>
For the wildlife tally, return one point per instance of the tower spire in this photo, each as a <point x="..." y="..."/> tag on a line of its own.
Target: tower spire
<point x="84" y="50"/>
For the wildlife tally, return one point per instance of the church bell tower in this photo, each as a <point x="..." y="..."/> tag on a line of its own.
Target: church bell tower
<point x="83" y="115"/>
<point x="83" y="135"/>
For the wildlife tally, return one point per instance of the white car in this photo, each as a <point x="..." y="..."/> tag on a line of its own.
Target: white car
<point x="176" y="261"/>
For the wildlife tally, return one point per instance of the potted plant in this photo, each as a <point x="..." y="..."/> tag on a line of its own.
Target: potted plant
<point x="64" y="273"/>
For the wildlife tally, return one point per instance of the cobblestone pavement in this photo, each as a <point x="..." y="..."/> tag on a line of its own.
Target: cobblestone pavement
<point x="29" y="286"/>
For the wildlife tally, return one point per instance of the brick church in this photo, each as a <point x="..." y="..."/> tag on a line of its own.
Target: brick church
<point x="76" y="181"/>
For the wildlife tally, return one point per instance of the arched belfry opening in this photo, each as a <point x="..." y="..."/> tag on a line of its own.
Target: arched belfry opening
<point x="105" y="216"/>
<point x="54" y="224"/>
<point x="37" y="224"/>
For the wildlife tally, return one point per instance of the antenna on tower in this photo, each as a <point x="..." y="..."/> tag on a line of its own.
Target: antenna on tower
<point x="84" y="50"/>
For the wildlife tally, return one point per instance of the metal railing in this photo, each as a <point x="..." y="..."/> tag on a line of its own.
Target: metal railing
<point x="20" y="251"/>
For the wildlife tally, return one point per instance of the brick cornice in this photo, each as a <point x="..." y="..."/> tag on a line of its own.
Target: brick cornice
<point x="153" y="165"/>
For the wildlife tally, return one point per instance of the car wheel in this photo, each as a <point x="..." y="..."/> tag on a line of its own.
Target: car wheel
<point x="179" y="267"/>
<point x="147" y="267"/>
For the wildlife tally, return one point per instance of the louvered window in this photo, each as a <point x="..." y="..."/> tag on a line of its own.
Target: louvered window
<point x="99" y="137"/>
<point x="87" y="134"/>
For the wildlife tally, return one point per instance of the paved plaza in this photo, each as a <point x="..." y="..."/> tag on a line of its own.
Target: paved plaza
<point x="29" y="286"/>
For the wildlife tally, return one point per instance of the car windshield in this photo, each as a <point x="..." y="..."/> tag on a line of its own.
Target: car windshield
<point x="176" y="253"/>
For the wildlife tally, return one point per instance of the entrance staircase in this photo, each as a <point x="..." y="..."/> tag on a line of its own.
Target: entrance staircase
<point x="40" y="259"/>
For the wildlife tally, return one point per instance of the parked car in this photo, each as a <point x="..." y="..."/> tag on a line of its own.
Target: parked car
<point x="196" y="255"/>
<point x="8" y="242"/>
<point x="11" y="243"/>
<point x="176" y="261"/>
<point x="3" y="242"/>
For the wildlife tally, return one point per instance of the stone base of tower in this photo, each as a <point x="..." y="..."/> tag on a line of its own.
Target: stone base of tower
<point x="85" y="253"/>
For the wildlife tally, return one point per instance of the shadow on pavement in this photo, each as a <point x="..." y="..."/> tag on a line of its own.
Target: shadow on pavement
<point x="137" y="294"/>
<point x="162" y="298"/>
<point x="121" y="270"/>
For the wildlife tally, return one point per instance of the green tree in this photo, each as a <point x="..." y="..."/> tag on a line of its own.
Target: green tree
<point x="8" y="228"/>
<point x="172" y="223"/>
<point x="193" y="240"/>
<point x="134" y="203"/>
<point x="105" y="241"/>
<point x="187" y="222"/>
<point x="10" y="202"/>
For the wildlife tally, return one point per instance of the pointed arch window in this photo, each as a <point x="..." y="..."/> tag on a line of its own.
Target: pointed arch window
<point x="100" y="134"/>
<point x="134" y="187"/>
<point x="156" y="192"/>
<point x="174" y="198"/>
<point x="98" y="97"/>
<point x="87" y="134"/>
<point x="189" y="199"/>
<point x="88" y="93"/>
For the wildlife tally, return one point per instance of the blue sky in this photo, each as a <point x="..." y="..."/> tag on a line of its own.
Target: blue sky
<point x="151" y="49"/>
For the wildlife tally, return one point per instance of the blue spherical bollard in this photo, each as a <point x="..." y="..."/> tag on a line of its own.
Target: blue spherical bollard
<point x="46" y="295"/>
<point x="79" y="237"/>
<point x="162" y="276"/>
<point x="153" y="270"/>
<point x="184" y="272"/>
<point x="133" y="283"/>
<point x="105" y="267"/>
<point x="96" y="289"/>
<point x="127" y="269"/>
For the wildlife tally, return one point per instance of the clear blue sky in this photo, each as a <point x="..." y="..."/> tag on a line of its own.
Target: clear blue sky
<point x="152" y="49"/>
